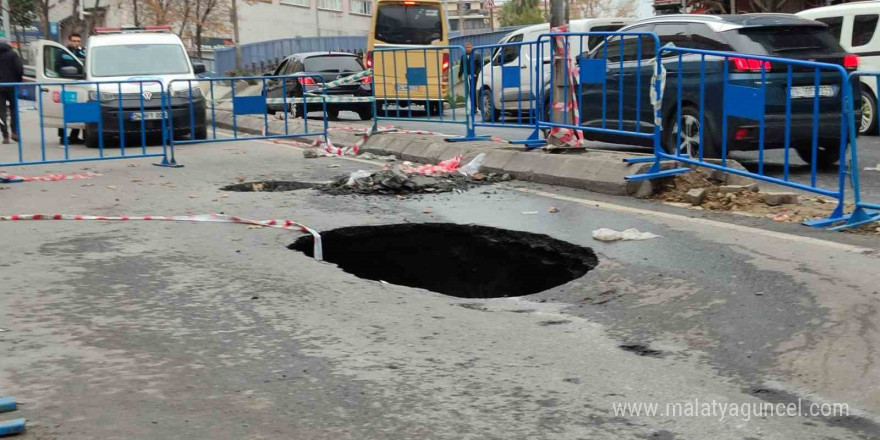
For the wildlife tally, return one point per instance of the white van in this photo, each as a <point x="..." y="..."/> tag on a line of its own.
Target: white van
<point x="495" y="99"/>
<point x="855" y="25"/>
<point x="122" y="54"/>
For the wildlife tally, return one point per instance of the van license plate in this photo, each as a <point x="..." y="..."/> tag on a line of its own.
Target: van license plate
<point x="810" y="91"/>
<point x="148" y="116"/>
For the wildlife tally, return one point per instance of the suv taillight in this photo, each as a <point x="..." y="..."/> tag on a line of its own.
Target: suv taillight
<point x="369" y="59"/>
<point x="851" y="62"/>
<point x="748" y="65"/>
<point x="307" y="81"/>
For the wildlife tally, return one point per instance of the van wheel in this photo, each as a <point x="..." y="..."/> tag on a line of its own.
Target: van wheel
<point x="202" y="132"/>
<point x="825" y="157"/>
<point x="487" y="107"/>
<point x="689" y="144"/>
<point x="91" y="139"/>
<point x="868" y="121"/>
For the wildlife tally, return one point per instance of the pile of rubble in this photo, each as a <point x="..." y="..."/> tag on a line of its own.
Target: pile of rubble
<point x="393" y="182"/>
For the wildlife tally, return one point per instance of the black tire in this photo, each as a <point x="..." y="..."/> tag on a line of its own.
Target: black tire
<point x="825" y="157"/>
<point x="333" y="115"/>
<point x="91" y="139"/>
<point x="365" y="114"/>
<point x="201" y="132"/>
<point x="691" y="143"/>
<point x="868" y="121"/>
<point x="487" y="106"/>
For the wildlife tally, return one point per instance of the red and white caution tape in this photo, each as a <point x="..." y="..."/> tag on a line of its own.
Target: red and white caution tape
<point x="12" y="178"/>
<point x="566" y="136"/>
<point x="209" y="218"/>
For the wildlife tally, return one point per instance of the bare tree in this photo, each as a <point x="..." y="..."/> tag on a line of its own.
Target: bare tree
<point x="210" y="16"/>
<point x="42" y="8"/>
<point x="602" y="8"/>
<point x="769" y="5"/>
<point x="134" y="8"/>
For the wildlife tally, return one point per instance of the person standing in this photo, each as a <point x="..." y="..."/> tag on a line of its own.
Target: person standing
<point x="74" y="45"/>
<point x="11" y="71"/>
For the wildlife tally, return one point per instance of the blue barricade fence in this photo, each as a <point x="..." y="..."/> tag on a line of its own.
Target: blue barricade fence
<point x="505" y="86"/>
<point x="288" y="94"/>
<point x="864" y="212"/>
<point x="124" y="115"/>
<point x="405" y="77"/>
<point x="594" y="99"/>
<point x="766" y="103"/>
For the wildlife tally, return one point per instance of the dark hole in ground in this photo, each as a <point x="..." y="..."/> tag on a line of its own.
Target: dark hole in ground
<point x="270" y="186"/>
<point x="465" y="261"/>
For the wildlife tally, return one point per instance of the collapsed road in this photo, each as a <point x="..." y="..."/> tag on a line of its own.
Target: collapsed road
<point x="128" y="330"/>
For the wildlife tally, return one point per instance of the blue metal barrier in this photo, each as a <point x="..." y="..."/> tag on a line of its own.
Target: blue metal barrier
<point x="864" y="212"/>
<point x="769" y="102"/>
<point x="195" y="106"/>
<point x="408" y="76"/>
<point x="586" y="75"/>
<point x="105" y="111"/>
<point x="506" y="93"/>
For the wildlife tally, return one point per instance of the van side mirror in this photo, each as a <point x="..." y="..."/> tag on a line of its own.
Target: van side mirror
<point x="199" y="69"/>
<point x="71" y="72"/>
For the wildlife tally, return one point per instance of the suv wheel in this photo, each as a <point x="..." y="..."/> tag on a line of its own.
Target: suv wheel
<point x="868" y="122"/>
<point x="487" y="107"/>
<point x="825" y="157"/>
<point x="689" y="144"/>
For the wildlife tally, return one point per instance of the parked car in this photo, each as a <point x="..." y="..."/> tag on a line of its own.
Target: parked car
<point x="777" y="35"/>
<point x="330" y="66"/>
<point x="855" y="27"/>
<point x="495" y="100"/>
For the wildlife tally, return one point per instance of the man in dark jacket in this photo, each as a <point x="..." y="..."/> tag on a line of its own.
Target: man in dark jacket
<point x="11" y="71"/>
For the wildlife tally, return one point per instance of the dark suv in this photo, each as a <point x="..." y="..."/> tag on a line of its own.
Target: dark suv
<point x="330" y="66"/>
<point x="776" y="35"/>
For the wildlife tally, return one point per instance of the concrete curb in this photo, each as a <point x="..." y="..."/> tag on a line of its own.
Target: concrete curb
<point x="593" y="170"/>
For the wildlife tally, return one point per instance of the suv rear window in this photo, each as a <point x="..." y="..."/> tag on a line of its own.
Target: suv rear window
<point x="779" y="41"/>
<point x="402" y="24"/>
<point x="332" y="64"/>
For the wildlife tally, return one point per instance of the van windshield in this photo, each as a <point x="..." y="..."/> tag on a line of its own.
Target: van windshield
<point x="402" y="24"/>
<point x="138" y="60"/>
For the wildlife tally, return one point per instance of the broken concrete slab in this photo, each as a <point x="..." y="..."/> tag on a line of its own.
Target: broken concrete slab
<point x="780" y="198"/>
<point x="726" y="189"/>
<point x="695" y="196"/>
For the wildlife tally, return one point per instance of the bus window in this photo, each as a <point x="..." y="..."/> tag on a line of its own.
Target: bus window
<point x="408" y="24"/>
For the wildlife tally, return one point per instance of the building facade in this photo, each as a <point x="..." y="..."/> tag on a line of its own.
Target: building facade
<point x="259" y="20"/>
<point x="468" y="15"/>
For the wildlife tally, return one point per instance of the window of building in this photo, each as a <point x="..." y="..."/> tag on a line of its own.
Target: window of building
<point x="362" y="7"/>
<point x="332" y="5"/>
<point x="863" y="29"/>
<point x="304" y="3"/>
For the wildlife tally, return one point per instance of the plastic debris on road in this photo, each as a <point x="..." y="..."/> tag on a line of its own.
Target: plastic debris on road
<point x="445" y="167"/>
<point x="473" y="167"/>
<point x="605" y="234"/>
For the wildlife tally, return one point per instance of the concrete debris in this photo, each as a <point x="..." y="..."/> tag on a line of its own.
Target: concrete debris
<point x="695" y="196"/>
<point x="553" y="210"/>
<point x="371" y="156"/>
<point x="732" y="189"/>
<point x="780" y="198"/>
<point x="393" y="182"/>
<point x="605" y="234"/>
<point x="311" y="153"/>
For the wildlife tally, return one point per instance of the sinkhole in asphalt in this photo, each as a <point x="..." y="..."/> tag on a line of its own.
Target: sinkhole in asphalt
<point x="465" y="261"/>
<point x="270" y="186"/>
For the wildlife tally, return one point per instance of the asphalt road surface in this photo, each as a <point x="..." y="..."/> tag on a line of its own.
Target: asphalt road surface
<point x="207" y="330"/>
